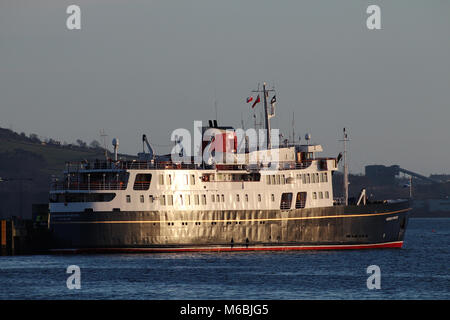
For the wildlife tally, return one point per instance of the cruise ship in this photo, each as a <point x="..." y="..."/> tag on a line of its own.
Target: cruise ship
<point x="268" y="197"/>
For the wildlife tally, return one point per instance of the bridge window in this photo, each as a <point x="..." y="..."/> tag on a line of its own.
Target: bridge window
<point x="142" y="181"/>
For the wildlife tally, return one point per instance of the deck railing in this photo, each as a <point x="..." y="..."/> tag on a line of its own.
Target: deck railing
<point x="147" y="165"/>
<point x="89" y="186"/>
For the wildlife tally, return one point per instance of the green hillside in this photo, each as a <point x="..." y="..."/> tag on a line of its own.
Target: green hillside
<point x="27" y="166"/>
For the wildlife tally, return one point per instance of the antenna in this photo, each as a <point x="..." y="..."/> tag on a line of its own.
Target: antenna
<point x="293" y="127"/>
<point x="104" y="135"/>
<point x="215" y="107"/>
<point x="115" y="143"/>
<point x="345" y="140"/>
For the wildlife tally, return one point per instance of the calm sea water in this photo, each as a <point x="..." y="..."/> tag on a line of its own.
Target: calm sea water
<point x="421" y="270"/>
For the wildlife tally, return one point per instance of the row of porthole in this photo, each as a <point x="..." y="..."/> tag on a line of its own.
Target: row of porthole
<point x="357" y="236"/>
<point x="212" y="223"/>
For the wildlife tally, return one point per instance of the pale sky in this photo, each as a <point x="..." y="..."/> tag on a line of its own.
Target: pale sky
<point x="150" y="67"/>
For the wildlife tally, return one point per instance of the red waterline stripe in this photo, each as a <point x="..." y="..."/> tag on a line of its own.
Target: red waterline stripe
<point x="397" y="244"/>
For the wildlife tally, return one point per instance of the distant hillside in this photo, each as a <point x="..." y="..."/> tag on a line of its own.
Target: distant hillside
<point x="29" y="164"/>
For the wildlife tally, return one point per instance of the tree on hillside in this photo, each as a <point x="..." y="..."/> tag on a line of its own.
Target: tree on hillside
<point x="34" y="138"/>
<point x="95" y="144"/>
<point x="81" y="143"/>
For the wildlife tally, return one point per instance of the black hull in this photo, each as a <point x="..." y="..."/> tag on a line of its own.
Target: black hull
<point x="337" y="227"/>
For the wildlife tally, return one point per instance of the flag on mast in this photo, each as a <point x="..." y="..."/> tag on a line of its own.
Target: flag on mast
<point x="258" y="100"/>
<point x="272" y="107"/>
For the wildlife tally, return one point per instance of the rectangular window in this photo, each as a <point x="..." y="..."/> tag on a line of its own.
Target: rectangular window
<point x="308" y="179"/>
<point x="162" y="200"/>
<point x="196" y="200"/>
<point x="327" y="195"/>
<point x="320" y="195"/>
<point x="317" y="177"/>
<point x="186" y="179"/>
<point x="259" y="197"/>
<point x="300" y="202"/>
<point x="192" y="179"/>
<point x="142" y="181"/>
<point x="170" y="200"/>
<point x="181" y="199"/>
<point x="268" y="179"/>
<point x="169" y="179"/>
<point x="150" y="198"/>
<point x="237" y="198"/>
<point x="278" y="179"/>
<point x="246" y="197"/>
<point x="272" y="179"/>
<point x="304" y="178"/>
<point x="213" y="198"/>
<point x="204" y="199"/>
<point x="128" y="197"/>
<point x="188" y="199"/>
<point x="218" y="198"/>
<point x="223" y="198"/>
<point x="286" y="201"/>
<point x="142" y="198"/>
<point x="273" y="197"/>
<point x="283" y="179"/>
<point x="161" y="179"/>
<point x="325" y="177"/>
<point x="314" y="195"/>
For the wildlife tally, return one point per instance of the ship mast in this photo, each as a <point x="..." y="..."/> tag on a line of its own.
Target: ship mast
<point x="345" y="139"/>
<point x="265" y="93"/>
